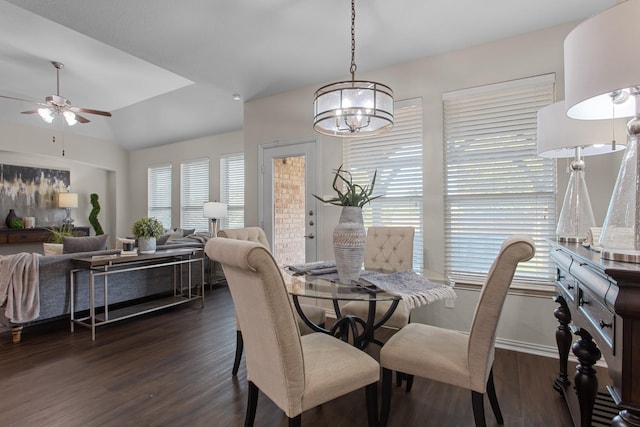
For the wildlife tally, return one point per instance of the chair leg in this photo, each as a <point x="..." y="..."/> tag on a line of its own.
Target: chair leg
<point x="252" y="404"/>
<point x="493" y="399"/>
<point x="372" y="404"/>
<point x="409" y="379"/>
<point x="295" y="421"/>
<point x="478" y="408"/>
<point x="239" y="348"/>
<point x="387" y="379"/>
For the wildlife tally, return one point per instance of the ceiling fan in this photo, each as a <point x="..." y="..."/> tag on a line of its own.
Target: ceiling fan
<point x="57" y="105"/>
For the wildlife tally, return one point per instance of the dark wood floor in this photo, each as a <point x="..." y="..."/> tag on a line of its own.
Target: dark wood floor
<point x="173" y="368"/>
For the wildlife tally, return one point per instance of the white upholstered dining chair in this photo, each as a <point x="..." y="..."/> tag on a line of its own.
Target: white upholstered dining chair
<point x="453" y="357"/>
<point x="317" y="315"/>
<point x="388" y="250"/>
<point x="296" y="372"/>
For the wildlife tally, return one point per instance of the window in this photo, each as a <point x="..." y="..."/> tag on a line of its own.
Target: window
<point x="159" y="193"/>
<point x="232" y="189"/>
<point x="194" y="191"/>
<point x="397" y="157"/>
<point x="495" y="185"/>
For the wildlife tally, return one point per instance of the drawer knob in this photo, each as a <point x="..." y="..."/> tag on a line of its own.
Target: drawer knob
<point x="604" y="324"/>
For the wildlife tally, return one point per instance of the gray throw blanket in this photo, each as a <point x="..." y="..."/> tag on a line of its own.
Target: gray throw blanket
<point x="19" y="288"/>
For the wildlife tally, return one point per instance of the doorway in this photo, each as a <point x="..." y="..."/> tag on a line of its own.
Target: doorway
<point x="288" y="209"/>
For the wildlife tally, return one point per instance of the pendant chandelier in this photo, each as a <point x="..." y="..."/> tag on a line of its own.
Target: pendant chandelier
<point x="353" y="108"/>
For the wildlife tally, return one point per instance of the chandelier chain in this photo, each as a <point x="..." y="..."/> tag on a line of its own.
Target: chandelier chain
<point x="354" y="67"/>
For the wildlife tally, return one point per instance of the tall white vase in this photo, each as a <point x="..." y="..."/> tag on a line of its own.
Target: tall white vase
<point x="349" y="239"/>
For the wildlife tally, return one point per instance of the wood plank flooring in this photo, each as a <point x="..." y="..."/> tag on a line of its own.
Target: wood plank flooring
<point x="173" y="368"/>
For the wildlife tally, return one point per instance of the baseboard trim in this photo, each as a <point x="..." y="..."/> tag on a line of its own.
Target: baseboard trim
<point x="538" y="350"/>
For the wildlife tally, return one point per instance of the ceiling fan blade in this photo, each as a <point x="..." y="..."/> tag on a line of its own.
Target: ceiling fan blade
<point x="90" y="111"/>
<point x="19" y="99"/>
<point x="81" y="119"/>
<point x="29" y="112"/>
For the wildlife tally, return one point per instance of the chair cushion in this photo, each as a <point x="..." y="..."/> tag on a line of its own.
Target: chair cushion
<point x="429" y="352"/>
<point x="314" y="313"/>
<point x="333" y="368"/>
<point x="360" y="309"/>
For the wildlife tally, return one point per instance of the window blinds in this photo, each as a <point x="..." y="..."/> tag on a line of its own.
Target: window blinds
<point x="159" y="193"/>
<point x="397" y="157"/>
<point x="232" y="189"/>
<point x="194" y="191"/>
<point x="495" y="185"/>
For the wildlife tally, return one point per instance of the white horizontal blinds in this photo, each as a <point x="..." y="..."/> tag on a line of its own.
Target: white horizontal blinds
<point x="397" y="157"/>
<point x="159" y="193"/>
<point x="194" y="191"/>
<point x="232" y="189"/>
<point x="495" y="185"/>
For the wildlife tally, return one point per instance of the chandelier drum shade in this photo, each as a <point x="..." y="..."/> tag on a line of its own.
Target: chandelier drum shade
<point x="602" y="81"/>
<point x="353" y="107"/>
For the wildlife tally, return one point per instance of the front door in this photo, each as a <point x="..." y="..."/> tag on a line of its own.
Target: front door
<point x="288" y="210"/>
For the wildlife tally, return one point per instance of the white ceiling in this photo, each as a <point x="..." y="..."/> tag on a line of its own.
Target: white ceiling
<point x="167" y="69"/>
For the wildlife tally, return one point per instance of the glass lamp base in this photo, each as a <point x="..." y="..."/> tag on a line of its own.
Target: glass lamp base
<point x="571" y="239"/>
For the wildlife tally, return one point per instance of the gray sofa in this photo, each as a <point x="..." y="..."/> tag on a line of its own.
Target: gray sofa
<point x="54" y="285"/>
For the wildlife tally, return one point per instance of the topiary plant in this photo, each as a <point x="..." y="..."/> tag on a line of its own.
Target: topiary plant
<point x="93" y="216"/>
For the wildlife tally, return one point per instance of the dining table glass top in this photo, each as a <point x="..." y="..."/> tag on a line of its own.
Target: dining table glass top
<point x="322" y="288"/>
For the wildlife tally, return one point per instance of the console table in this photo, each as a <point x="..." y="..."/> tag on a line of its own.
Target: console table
<point x="106" y="265"/>
<point x="33" y="235"/>
<point x="599" y="301"/>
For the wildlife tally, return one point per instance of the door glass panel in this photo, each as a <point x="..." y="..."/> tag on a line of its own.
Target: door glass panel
<point x="289" y="210"/>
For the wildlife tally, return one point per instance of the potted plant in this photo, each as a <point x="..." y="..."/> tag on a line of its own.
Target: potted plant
<point x="147" y="230"/>
<point x="54" y="245"/>
<point x="355" y="194"/>
<point x="349" y="236"/>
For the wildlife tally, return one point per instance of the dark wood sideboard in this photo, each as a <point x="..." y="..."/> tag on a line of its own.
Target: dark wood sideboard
<point x="599" y="303"/>
<point x="10" y="236"/>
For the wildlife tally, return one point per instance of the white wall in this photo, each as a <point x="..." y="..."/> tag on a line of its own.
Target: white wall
<point x="212" y="147"/>
<point x="288" y="116"/>
<point x="96" y="166"/>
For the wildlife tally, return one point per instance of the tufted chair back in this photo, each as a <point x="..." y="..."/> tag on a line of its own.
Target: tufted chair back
<point x="389" y="249"/>
<point x="250" y="234"/>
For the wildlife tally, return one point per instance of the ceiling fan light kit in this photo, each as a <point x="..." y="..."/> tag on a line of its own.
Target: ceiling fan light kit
<point x="59" y="106"/>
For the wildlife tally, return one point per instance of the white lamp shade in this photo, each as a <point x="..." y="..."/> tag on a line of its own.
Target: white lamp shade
<point x="67" y="200"/>
<point x="214" y="210"/>
<point x="559" y="135"/>
<point x="600" y="57"/>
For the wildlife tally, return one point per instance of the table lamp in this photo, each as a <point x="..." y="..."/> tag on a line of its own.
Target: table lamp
<point x="214" y="211"/>
<point x="602" y="80"/>
<point x="68" y="201"/>
<point x="562" y="137"/>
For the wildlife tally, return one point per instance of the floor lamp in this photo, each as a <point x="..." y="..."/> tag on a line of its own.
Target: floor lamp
<point x="214" y="211"/>
<point x="562" y="137"/>
<point x="602" y="81"/>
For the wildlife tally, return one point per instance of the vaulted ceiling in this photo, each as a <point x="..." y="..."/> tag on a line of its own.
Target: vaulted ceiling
<point x="167" y="69"/>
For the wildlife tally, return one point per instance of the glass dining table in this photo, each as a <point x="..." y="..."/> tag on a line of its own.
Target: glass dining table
<point x="346" y="327"/>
